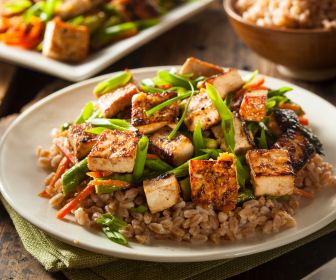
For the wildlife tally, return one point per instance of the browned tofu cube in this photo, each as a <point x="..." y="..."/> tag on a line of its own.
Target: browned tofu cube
<point x="201" y="109"/>
<point x="65" y="41"/>
<point x="272" y="172"/>
<point x="175" y="151"/>
<point x="243" y="138"/>
<point x="114" y="102"/>
<point x="298" y="146"/>
<point x="230" y="81"/>
<point x="115" y="151"/>
<point x="80" y="140"/>
<point x="214" y="182"/>
<point x="198" y="68"/>
<point x="162" y="192"/>
<point x="142" y="102"/>
<point x="253" y="107"/>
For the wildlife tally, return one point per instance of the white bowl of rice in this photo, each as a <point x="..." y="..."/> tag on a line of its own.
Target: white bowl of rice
<point x="300" y="36"/>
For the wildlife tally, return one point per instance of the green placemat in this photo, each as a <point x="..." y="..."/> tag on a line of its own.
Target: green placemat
<point x="80" y="264"/>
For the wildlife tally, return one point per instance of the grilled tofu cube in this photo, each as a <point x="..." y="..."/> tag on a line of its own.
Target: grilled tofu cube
<point x="80" y="140"/>
<point x="201" y="109"/>
<point x="115" y="151"/>
<point x="228" y="82"/>
<point x="298" y="146"/>
<point x="214" y="182"/>
<point x="253" y="107"/>
<point x="72" y="8"/>
<point x="142" y="102"/>
<point x="198" y="68"/>
<point x="175" y="151"/>
<point x="65" y="41"/>
<point x="243" y="138"/>
<point x="161" y="192"/>
<point x="272" y="172"/>
<point x="114" y="102"/>
<point x="283" y="119"/>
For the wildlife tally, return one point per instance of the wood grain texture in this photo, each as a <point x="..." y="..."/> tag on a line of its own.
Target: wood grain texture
<point x="207" y="36"/>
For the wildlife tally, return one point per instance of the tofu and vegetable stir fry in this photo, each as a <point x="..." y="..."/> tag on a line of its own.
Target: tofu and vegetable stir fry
<point x="192" y="154"/>
<point x="69" y="30"/>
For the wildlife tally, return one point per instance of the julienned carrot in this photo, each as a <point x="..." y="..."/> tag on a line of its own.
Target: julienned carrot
<point x="73" y="203"/>
<point x="99" y="174"/>
<point x="303" y="120"/>
<point x="151" y="156"/>
<point x="44" y="194"/>
<point x="303" y="193"/>
<point x="62" y="167"/>
<point x="65" y="151"/>
<point x="290" y="106"/>
<point x="256" y="83"/>
<point x="115" y="183"/>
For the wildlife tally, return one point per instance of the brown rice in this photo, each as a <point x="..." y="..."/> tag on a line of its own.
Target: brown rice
<point x="289" y="13"/>
<point x="185" y="221"/>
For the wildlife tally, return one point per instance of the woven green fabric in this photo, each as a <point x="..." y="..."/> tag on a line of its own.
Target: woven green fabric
<point x="78" y="264"/>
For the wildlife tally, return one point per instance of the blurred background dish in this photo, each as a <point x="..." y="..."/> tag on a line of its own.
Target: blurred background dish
<point x="301" y="39"/>
<point x="77" y="63"/>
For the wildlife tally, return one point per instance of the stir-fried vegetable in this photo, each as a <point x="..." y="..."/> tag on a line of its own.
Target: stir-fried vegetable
<point x="225" y="114"/>
<point x="177" y="127"/>
<point x="183" y="170"/>
<point x="86" y="113"/>
<point x="245" y="195"/>
<point x="140" y="209"/>
<point x="111" y="226"/>
<point x="17" y="6"/>
<point x="198" y="140"/>
<point x="175" y="79"/>
<point x="162" y="105"/>
<point x="110" y="124"/>
<point x="73" y="203"/>
<point x="140" y="159"/>
<point x="186" y="189"/>
<point x="116" y="81"/>
<point x="74" y="176"/>
<point x="158" y="165"/>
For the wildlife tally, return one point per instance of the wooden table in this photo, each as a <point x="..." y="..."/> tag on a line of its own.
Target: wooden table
<point x="207" y="36"/>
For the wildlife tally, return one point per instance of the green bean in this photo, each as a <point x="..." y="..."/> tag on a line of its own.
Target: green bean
<point x="186" y="189"/>
<point x="86" y="113"/>
<point x="177" y="127"/>
<point x="106" y="189"/>
<point x="225" y="114"/>
<point x="279" y="92"/>
<point x="245" y="195"/>
<point x="198" y="140"/>
<point x="166" y="103"/>
<point x="158" y="165"/>
<point x="110" y="84"/>
<point x="140" y="159"/>
<point x="105" y="35"/>
<point x="146" y="23"/>
<point x="74" y="176"/>
<point x="17" y="6"/>
<point x="96" y="130"/>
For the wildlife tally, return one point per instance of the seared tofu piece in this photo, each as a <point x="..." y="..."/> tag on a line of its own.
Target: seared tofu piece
<point x="271" y="171"/>
<point x="243" y="138"/>
<point x="253" y="107"/>
<point x="80" y="140"/>
<point x="131" y="10"/>
<point x="161" y="192"/>
<point x="115" y="151"/>
<point x="298" y="146"/>
<point x="198" y="68"/>
<point x="201" y="109"/>
<point x="214" y="182"/>
<point x="114" y="102"/>
<point x="175" y="151"/>
<point x="65" y="41"/>
<point x="71" y="8"/>
<point x="142" y="102"/>
<point x="230" y="81"/>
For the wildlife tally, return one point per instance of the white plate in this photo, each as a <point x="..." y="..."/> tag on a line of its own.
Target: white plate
<point x="105" y="57"/>
<point x="21" y="179"/>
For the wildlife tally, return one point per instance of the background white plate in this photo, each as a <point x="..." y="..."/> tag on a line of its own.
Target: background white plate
<point x="105" y="57"/>
<point x="21" y="179"/>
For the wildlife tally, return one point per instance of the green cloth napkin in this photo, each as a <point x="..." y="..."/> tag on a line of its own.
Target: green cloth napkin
<point x="79" y="264"/>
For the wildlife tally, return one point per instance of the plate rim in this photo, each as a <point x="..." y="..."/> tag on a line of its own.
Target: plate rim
<point x="135" y="255"/>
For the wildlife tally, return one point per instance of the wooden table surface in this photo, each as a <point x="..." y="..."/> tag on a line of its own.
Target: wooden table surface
<point x="209" y="37"/>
